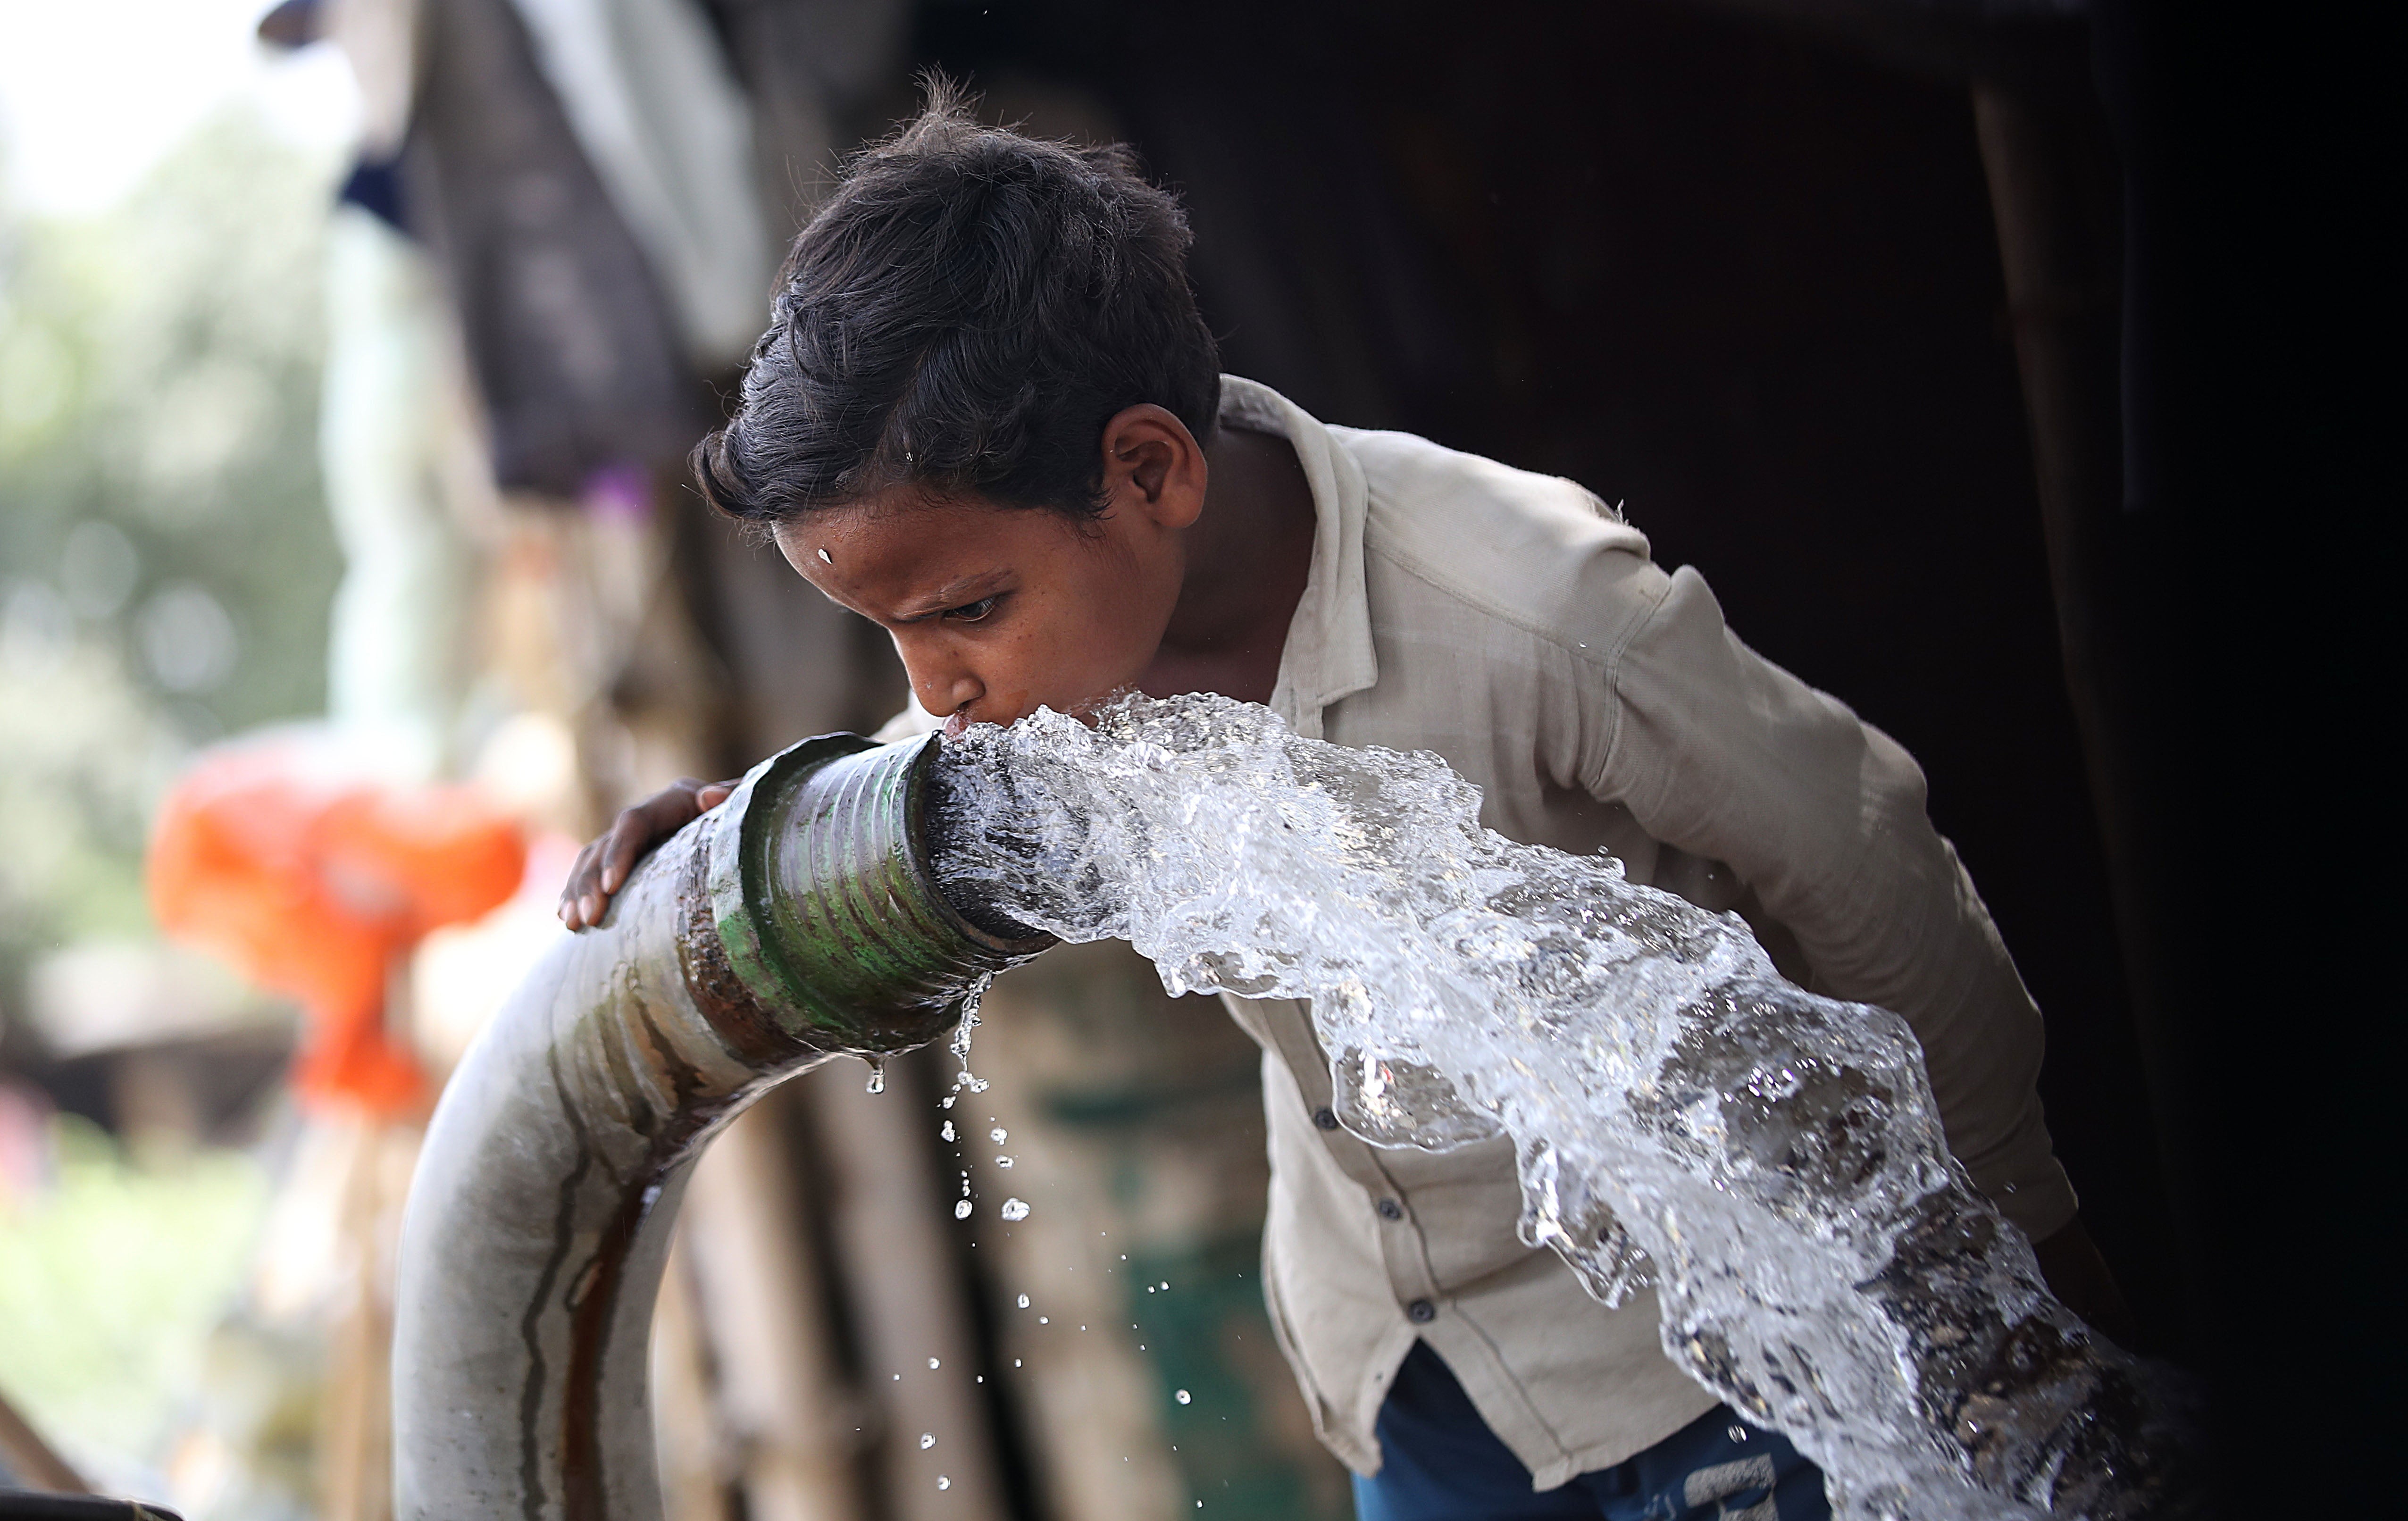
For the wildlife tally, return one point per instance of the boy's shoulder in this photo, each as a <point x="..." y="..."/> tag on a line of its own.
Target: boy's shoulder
<point x="1508" y="538"/>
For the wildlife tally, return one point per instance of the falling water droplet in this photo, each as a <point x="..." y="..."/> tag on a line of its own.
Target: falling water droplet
<point x="1185" y="1398"/>
<point x="877" y="1077"/>
<point x="943" y="1482"/>
<point x="1739" y="1433"/>
<point x="961" y="1041"/>
<point x="996" y="1135"/>
<point x="1003" y="1161"/>
<point x="927" y="1439"/>
<point x="961" y="1208"/>
<point x="1015" y="1208"/>
<point x="932" y="1364"/>
<point x="947" y="1131"/>
<point x="1023" y="1301"/>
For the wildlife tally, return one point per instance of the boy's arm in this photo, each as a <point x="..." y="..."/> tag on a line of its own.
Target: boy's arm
<point x="1722" y="754"/>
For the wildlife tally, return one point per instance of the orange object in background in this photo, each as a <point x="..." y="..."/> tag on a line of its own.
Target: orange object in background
<point x="314" y="882"/>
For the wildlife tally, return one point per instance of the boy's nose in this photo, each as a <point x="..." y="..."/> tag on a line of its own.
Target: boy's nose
<point x="951" y="692"/>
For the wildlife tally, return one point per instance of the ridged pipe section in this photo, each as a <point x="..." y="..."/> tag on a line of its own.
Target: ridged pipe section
<point x="798" y="921"/>
<point x="852" y="932"/>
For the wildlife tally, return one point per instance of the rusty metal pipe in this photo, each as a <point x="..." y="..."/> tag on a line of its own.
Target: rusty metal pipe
<point x="796" y="921"/>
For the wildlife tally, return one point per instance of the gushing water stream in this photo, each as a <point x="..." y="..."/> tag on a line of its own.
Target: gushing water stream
<point x="1770" y="1159"/>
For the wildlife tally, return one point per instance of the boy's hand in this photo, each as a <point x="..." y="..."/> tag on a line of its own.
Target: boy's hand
<point x="602" y="867"/>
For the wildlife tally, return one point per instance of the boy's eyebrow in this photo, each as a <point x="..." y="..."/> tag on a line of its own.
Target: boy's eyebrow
<point x="951" y="595"/>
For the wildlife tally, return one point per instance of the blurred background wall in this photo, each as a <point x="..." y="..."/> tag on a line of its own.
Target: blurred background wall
<point x="355" y="395"/>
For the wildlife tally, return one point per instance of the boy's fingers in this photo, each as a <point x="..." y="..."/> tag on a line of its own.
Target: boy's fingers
<point x="584" y="897"/>
<point x="603" y="867"/>
<point x="621" y="846"/>
<point x="574" y="888"/>
<point x="645" y="824"/>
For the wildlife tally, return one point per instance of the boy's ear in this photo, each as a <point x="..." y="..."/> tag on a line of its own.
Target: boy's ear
<point x="1153" y="467"/>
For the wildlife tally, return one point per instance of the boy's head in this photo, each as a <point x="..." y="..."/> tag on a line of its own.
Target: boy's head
<point x="978" y="412"/>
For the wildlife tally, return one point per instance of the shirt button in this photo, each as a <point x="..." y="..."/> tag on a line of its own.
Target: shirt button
<point x="1391" y="1209"/>
<point x="1324" y="1119"/>
<point x="1421" y="1312"/>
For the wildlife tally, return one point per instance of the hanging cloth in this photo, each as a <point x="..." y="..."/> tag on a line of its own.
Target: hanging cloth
<point x="647" y="88"/>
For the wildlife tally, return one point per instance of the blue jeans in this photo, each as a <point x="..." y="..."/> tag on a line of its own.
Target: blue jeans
<point x="1440" y="1462"/>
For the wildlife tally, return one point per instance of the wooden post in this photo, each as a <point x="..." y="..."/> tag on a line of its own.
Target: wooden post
<point x="910" y="1305"/>
<point x="33" y="1459"/>
<point x="782" y="1401"/>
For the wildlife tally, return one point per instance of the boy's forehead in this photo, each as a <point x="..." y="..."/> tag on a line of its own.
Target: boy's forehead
<point x="906" y="545"/>
<point x="876" y="531"/>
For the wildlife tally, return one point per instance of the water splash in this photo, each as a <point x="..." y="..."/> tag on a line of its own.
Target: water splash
<point x="1770" y="1159"/>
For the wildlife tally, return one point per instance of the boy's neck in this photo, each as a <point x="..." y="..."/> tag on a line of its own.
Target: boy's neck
<point x="1248" y="557"/>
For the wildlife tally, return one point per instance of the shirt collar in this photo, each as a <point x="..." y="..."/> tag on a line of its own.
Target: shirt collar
<point x="1328" y="653"/>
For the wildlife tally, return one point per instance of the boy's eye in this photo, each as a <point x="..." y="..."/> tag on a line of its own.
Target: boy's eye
<point x="971" y="612"/>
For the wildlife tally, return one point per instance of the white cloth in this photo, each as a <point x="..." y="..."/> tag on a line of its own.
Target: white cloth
<point x="653" y="105"/>
<point x="407" y="486"/>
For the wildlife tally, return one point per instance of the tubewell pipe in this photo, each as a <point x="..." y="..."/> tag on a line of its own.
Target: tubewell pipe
<point x="795" y="921"/>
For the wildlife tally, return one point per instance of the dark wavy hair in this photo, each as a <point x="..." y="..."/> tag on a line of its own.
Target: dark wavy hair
<point x="966" y="312"/>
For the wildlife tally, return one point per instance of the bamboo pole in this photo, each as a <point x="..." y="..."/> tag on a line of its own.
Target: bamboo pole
<point x="33" y="1459"/>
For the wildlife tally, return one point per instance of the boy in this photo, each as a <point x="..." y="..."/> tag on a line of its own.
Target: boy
<point x="988" y="417"/>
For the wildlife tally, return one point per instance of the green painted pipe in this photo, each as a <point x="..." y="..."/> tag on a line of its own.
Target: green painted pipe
<point x="832" y="913"/>
<point x="798" y="921"/>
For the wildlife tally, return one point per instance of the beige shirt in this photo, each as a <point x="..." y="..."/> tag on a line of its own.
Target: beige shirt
<point x="1513" y="623"/>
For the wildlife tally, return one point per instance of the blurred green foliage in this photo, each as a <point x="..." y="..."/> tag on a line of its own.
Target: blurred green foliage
<point x="111" y="1280"/>
<point x="166" y="561"/>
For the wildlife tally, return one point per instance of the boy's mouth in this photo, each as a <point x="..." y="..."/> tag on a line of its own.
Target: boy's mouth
<point x="962" y="720"/>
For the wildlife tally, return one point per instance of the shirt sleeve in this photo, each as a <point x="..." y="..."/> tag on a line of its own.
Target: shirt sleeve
<point x="1719" y="752"/>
